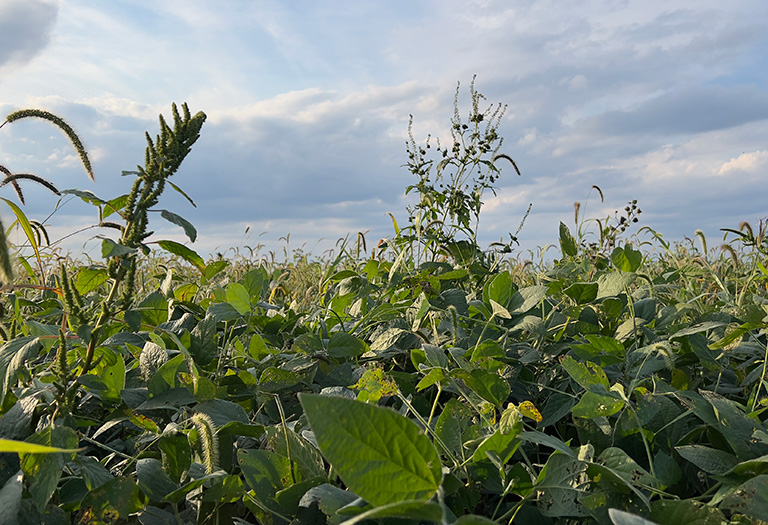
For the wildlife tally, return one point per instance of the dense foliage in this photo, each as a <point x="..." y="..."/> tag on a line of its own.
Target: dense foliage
<point x="430" y="381"/>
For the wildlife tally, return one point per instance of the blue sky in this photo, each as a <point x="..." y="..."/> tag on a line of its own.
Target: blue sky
<point x="665" y="102"/>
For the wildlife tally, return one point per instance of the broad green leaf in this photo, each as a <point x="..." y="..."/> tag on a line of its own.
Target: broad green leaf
<point x="204" y="345"/>
<point x="10" y="499"/>
<point x="597" y="345"/>
<point x="266" y="473"/>
<point x="582" y="293"/>
<point x="710" y="460"/>
<point x="178" y="220"/>
<point x="214" y="268"/>
<point x="343" y="345"/>
<point x="154" y="309"/>
<point x="614" y="283"/>
<point x="620" y="517"/>
<point x="560" y="485"/>
<point x="88" y="279"/>
<point x="94" y="473"/>
<point x="419" y="511"/>
<point x="275" y="379"/>
<point x="585" y="374"/>
<point x="110" y="248"/>
<point x="328" y="498"/>
<point x="499" y="288"/>
<point x="499" y="311"/>
<point x="568" y="243"/>
<point x="685" y="512"/>
<point x="750" y="498"/>
<point x="114" y="205"/>
<point x="488" y="385"/>
<point x="500" y="446"/>
<point x="455" y="427"/>
<point x="526" y="298"/>
<point x="153" y="480"/>
<point x="626" y="259"/>
<point x="185" y="253"/>
<point x="222" y="412"/>
<point x="592" y="405"/>
<point x="239" y="298"/>
<point x="116" y="499"/>
<point x="176" y="452"/>
<point x="42" y="471"/>
<point x="379" y="454"/>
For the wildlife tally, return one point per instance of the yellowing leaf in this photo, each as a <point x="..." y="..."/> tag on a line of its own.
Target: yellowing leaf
<point x="529" y="410"/>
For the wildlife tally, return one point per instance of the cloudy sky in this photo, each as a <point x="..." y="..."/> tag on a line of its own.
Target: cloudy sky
<point x="308" y="101"/>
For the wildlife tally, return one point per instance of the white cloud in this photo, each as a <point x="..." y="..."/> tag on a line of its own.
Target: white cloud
<point x="746" y="162"/>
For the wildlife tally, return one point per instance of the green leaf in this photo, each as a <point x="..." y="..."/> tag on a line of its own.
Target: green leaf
<point x="420" y="511"/>
<point x="110" y="248"/>
<point x="154" y="309"/>
<point x="620" y="517"/>
<point x="614" y="283"/>
<point x="379" y="454"/>
<point x="526" y="298"/>
<point x="685" y="512"/>
<point x="152" y="479"/>
<point x="455" y="426"/>
<point x="750" y="498"/>
<point x="116" y="499"/>
<point x="585" y="374"/>
<point x="568" y="244"/>
<point x="10" y="445"/>
<point x="343" y="345"/>
<point x="25" y="225"/>
<point x="88" y="279"/>
<point x="239" y="298"/>
<point x="560" y="485"/>
<point x="582" y="293"/>
<point x="499" y="288"/>
<point x="499" y="311"/>
<point x="626" y="259"/>
<point x="176" y="451"/>
<point x="185" y="253"/>
<point x="594" y="405"/>
<point x="266" y="473"/>
<point x="43" y="471"/>
<point x="540" y="438"/>
<point x="488" y="385"/>
<point x="710" y="460"/>
<point x="189" y="230"/>
<point x="10" y="499"/>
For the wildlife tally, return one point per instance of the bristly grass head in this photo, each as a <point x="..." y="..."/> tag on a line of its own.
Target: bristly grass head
<point x="63" y="126"/>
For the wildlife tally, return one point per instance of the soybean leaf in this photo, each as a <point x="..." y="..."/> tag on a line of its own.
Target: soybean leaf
<point x="381" y="456"/>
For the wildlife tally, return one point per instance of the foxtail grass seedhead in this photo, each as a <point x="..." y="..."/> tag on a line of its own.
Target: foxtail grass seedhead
<point x="27" y="176"/>
<point x="209" y="443"/>
<point x="63" y="126"/>
<point x="5" y="171"/>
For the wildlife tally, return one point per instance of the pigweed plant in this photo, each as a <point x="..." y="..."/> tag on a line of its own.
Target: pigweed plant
<point x="452" y="182"/>
<point x="612" y="386"/>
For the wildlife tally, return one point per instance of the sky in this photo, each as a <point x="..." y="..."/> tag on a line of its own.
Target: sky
<point x="308" y="104"/>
